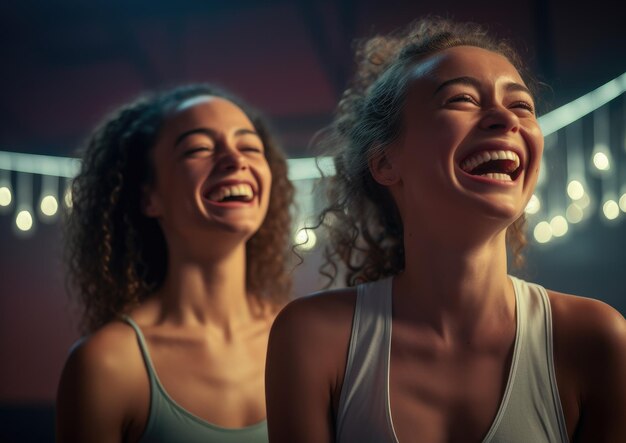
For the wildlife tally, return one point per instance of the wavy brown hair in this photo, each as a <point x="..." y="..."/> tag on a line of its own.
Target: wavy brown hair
<point x="363" y="223"/>
<point x="115" y="255"/>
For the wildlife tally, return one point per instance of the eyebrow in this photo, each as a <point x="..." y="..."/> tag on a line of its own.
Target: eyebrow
<point x="212" y="134"/>
<point x="471" y="81"/>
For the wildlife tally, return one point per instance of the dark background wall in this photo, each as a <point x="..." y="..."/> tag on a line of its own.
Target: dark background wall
<point x="65" y="63"/>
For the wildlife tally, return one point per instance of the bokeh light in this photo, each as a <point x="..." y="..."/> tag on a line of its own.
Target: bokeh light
<point x="610" y="209"/>
<point x="5" y="196"/>
<point x="559" y="226"/>
<point x="601" y="161"/>
<point x="49" y="205"/>
<point x="534" y="205"/>
<point x="24" y="220"/>
<point x="543" y="232"/>
<point x="574" y="213"/>
<point x="305" y="239"/>
<point x="575" y="190"/>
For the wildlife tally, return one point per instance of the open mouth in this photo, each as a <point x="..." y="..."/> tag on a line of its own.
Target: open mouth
<point x="241" y="192"/>
<point x="503" y="165"/>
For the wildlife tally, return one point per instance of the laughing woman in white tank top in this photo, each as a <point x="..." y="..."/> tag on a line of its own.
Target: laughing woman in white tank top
<point x="437" y="152"/>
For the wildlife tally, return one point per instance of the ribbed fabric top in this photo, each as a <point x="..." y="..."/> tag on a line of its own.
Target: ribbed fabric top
<point x="169" y="422"/>
<point x="530" y="410"/>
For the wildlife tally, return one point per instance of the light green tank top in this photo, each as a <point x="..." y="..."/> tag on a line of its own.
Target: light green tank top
<point x="530" y="410"/>
<point x="169" y="422"/>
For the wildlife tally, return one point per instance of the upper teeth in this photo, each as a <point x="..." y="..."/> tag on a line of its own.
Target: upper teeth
<point x="240" y="190"/>
<point x="479" y="158"/>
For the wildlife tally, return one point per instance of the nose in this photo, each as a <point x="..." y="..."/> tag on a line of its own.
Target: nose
<point x="231" y="158"/>
<point x="500" y="118"/>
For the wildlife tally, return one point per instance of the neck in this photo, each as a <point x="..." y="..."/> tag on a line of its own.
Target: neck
<point x="207" y="291"/>
<point x="454" y="287"/>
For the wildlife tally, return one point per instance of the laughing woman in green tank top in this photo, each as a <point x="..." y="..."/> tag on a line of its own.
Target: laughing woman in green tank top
<point x="437" y="153"/>
<point x="176" y="245"/>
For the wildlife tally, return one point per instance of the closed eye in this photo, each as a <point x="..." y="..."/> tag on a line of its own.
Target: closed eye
<point x="463" y="98"/>
<point x="194" y="151"/>
<point x="523" y="105"/>
<point x="252" y="149"/>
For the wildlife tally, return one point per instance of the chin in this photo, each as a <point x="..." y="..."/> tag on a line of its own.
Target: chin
<point x="241" y="229"/>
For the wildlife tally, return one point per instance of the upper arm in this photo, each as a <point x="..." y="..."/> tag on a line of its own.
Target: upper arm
<point x="603" y="414"/>
<point x="91" y="396"/>
<point x="304" y="355"/>
<point x="600" y="342"/>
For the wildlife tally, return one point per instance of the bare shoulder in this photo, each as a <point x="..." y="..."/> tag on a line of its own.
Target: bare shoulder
<point x="106" y="351"/>
<point x="316" y="315"/>
<point x="589" y="344"/>
<point x="590" y="321"/>
<point x="590" y="358"/>
<point x="306" y="359"/>
<point x="99" y="385"/>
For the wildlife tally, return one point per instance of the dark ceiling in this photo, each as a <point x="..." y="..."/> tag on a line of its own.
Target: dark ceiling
<point x="68" y="62"/>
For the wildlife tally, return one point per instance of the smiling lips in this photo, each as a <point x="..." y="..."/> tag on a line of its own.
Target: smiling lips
<point x="241" y="192"/>
<point x="501" y="165"/>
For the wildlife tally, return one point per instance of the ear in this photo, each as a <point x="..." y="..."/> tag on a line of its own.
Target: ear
<point x="382" y="168"/>
<point x="150" y="202"/>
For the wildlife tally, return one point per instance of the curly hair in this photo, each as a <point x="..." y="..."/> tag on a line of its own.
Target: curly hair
<point x="362" y="221"/>
<point x="115" y="255"/>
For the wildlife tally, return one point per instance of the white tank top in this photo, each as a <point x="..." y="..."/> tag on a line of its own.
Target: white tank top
<point x="530" y="410"/>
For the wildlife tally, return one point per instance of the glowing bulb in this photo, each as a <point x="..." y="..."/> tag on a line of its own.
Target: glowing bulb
<point x="68" y="198"/>
<point x="622" y="202"/>
<point x="574" y="213"/>
<point x="601" y="161"/>
<point x="5" y="196"/>
<point x="49" y="205"/>
<point x="306" y="239"/>
<point x="24" y="221"/>
<point x="559" y="226"/>
<point x="584" y="201"/>
<point x="610" y="209"/>
<point x="533" y="205"/>
<point x="543" y="232"/>
<point x="575" y="190"/>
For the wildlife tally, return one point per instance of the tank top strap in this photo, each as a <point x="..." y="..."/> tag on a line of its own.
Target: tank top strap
<point x="365" y="392"/>
<point x="534" y="405"/>
<point x="143" y="347"/>
<point x="168" y="421"/>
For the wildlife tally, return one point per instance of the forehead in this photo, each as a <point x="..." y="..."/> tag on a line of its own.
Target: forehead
<point x="209" y="112"/>
<point x="465" y="61"/>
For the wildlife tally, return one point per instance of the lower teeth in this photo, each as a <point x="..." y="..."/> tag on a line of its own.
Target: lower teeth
<point x="497" y="176"/>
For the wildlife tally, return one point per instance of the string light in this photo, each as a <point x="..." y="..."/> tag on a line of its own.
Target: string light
<point x="601" y="161"/>
<point x="305" y="239"/>
<point x="49" y="205"/>
<point x="534" y="205"/>
<point x="543" y="232"/>
<point x="610" y="209"/>
<point x="568" y="116"/>
<point x="5" y="196"/>
<point x="575" y="190"/>
<point x="559" y="226"/>
<point x="24" y="220"/>
<point x="574" y="213"/>
<point x="67" y="198"/>
<point x="622" y="202"/>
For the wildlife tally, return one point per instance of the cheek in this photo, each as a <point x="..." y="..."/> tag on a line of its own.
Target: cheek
<point x="535" y="142"/>
<point x="267" y="183"/>
<point x="263" y="173"/>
